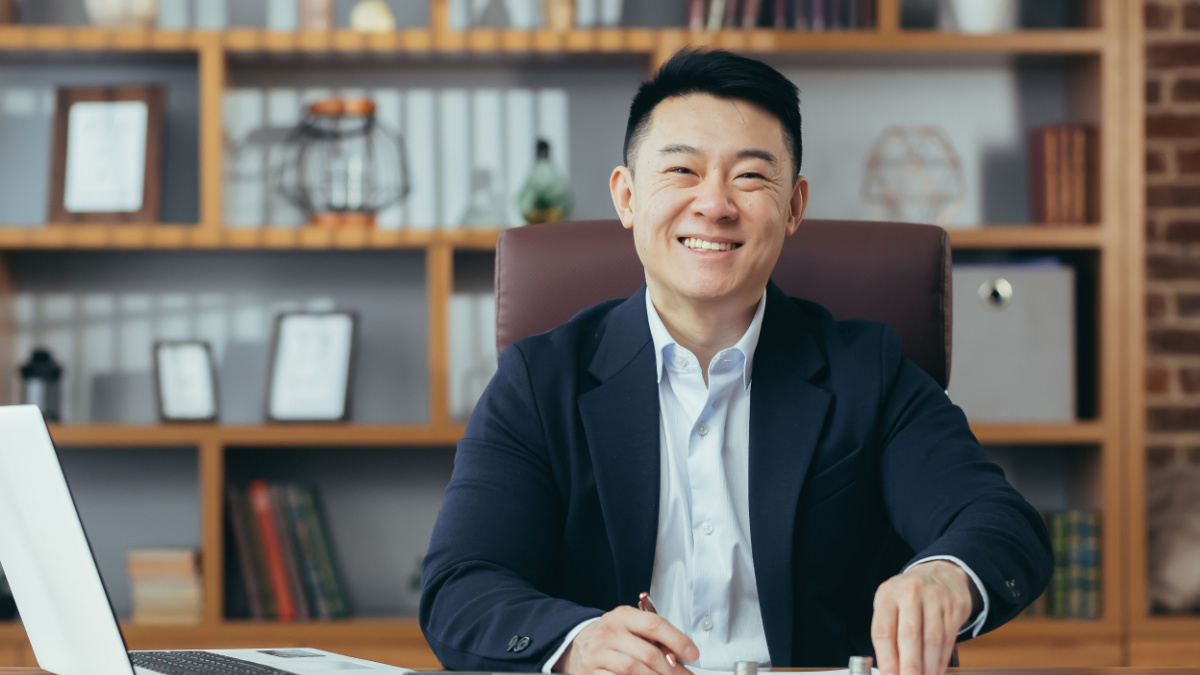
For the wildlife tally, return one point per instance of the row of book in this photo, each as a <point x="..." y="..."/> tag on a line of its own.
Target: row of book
<point x="1061" y="161"/>
<point x="812" y="15"/>
<point x="166" y="586"/>
<point x="1075" y="589"/>
<point x="285" y="567"/>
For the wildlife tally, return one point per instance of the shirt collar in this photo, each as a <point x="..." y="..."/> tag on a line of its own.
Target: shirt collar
<point x="745" y="345"/>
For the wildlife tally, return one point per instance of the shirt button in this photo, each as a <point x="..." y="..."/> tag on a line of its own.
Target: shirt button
<point x="707" y="623"/>
<point x="706" y="527"/>
<point x="702" y="429"/>
<point x="680" y="361"/>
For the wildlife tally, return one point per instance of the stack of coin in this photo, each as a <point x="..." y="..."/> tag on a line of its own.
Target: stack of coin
<point x="745" y="668"/>
<point x="861" y="665"/>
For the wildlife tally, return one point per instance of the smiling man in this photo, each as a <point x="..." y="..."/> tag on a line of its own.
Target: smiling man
<point x="788" y="488"/>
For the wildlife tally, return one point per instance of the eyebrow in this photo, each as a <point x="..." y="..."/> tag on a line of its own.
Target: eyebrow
<point x="680" y="148"/>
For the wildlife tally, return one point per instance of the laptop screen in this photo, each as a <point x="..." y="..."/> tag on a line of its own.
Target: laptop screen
<point x="46" y="555"/>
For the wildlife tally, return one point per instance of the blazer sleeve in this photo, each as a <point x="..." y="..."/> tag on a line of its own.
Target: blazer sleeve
<point x="944" y="497"/>
<point x="495" y="544"/>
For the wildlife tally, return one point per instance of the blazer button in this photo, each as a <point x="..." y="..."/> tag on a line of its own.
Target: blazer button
<point x="1012" y="588"/>
<point x="518" y="643"/>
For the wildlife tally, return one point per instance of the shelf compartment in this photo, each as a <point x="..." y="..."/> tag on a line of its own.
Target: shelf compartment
<point x="180" y="237"/>
<point x="87" y="435"/>
<point x="1027" y="237"/>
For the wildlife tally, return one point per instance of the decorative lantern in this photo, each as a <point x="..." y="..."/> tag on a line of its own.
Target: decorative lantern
<point x="914" y="175"/>
<point x="41" y="378"/>
<point x="342" y="167"/>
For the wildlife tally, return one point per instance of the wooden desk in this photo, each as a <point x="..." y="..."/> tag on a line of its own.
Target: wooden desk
<point x="958" y="671"/>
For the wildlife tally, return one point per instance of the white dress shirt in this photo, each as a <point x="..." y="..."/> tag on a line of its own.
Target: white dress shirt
<point x="703" y="581"/>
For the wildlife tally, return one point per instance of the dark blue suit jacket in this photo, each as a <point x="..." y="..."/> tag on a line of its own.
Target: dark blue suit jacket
<point x="859" y="463"/>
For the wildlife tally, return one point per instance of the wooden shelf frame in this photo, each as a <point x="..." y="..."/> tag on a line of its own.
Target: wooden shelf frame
<point x="1110" y="52"/>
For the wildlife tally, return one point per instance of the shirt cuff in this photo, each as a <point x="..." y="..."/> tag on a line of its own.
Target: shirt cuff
<point x="975" y="626"/>
<point x="549" y="666"/>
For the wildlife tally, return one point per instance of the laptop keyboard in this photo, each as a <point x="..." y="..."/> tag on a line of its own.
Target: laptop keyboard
<point x="199" y="663"/>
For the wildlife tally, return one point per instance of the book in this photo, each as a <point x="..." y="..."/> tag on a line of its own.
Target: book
<point x="287" y="545"/>
<point x="329" y="579"/>
<point x="696" y="15"/>
<point x="166" y="586"/>
<point x="731" y="14"/>
<point x="240" y="525"/>
<point x="716" y="12"/>
<point x="260" y="501"/>
<point x="750" y="13"/>
<point x="1043" y="174"/>
<point x="305" y="547"/>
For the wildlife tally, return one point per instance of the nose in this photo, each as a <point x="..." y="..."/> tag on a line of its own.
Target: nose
<point x="713" y="201"/>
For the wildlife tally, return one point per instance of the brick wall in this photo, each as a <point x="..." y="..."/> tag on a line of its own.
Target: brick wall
<point x="1173" y="231"/>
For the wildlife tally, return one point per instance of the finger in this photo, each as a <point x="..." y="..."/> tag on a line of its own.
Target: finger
<point x="883" y="631"/>
<point x="952" y="627"/>
<point x="657" y="629"/>
<point x="934" y="629"/>
<point x="647" y="653"/>
<point x="910" y="632"/>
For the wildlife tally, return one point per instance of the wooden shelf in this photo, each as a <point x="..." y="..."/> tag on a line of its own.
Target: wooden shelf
<point x="182" y="237"/>
<point x="609" y="41"/>
<point x="1027" y="237"/>
<point x="1022" y="629"/>
<point x="273" y="435"/>
<point x="1084" y="433"/>
<point x="1167" y="626"/>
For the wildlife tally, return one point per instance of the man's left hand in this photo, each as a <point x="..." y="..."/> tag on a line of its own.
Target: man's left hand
<point x="918" y="616"/>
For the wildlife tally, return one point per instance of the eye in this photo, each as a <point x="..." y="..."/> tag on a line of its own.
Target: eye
<point x="751" y="174"/>
<point x="679" y="169"/>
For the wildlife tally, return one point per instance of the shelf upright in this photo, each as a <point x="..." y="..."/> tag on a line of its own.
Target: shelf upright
<point x="213" y="76"/>
<point x="212" y="525"/>
<point x="439" y="271"/>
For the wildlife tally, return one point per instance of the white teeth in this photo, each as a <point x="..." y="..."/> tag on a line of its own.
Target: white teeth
<point x="701" y="245"/>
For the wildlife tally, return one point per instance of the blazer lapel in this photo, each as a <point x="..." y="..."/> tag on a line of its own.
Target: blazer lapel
<point x="621" y="422"/>
<point x="787" y="413"/>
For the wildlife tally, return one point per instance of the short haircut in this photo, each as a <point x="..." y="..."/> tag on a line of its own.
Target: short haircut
<point x="723" y="75"/>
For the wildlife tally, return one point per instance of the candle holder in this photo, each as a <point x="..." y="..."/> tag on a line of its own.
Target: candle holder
<point x="341" y="166"/>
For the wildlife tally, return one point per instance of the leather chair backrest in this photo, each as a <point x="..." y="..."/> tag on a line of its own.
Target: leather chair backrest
<point x="897" y="273"/>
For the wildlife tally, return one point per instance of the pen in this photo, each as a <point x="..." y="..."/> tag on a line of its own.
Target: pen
<point x="646" y="605"/>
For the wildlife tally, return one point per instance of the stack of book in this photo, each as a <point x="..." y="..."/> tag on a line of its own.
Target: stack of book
<point x="166" y="587"/>
<point x="285" y="567"/>
<point x="1061" y="157"/>
<point x="1074" y="591"/>
<point x="814" y="15"/>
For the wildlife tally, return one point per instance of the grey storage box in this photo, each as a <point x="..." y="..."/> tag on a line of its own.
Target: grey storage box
<point x="1013" y="354"/>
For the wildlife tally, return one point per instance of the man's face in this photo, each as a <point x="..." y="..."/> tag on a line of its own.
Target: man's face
<point x="711" y="198"/>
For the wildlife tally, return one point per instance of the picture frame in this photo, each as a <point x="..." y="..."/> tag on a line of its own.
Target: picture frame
<point x="311" y="366"/>
<point x="107" y="161"/>
<point x="185" y="379"/>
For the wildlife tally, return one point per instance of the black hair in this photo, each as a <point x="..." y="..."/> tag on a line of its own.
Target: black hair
<point x="724" y="75"/>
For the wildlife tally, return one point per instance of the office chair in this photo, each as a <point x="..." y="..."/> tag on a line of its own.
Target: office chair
<point x="897" y="273"/>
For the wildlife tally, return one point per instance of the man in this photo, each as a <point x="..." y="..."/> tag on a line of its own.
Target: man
<point x="788" y="488"/>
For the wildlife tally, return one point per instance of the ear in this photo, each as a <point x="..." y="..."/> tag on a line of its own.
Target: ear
<point x="799" y="203"/>
<point x="620" y="184"/>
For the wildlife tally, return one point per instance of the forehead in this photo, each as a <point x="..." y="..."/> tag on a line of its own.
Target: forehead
<point x="705" y="120"/>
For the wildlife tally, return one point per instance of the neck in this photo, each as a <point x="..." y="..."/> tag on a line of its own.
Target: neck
<point x="706" y="327"/>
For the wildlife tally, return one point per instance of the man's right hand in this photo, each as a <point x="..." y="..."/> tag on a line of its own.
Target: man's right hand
<point x="626" y="641"/>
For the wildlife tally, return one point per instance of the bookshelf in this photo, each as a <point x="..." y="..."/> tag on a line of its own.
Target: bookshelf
<point x="1099" y="62"/>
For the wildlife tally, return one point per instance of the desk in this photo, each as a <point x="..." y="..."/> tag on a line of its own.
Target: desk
<point x="953" y="670"/>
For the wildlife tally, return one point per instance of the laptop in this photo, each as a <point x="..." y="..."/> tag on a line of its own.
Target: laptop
<point x="54" y="580"/>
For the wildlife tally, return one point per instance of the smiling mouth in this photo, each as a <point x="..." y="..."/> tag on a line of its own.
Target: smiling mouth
<point x="701" y="245"/>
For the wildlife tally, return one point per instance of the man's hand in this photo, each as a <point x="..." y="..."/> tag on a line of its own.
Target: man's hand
<point x="626" y="641"/>
<point x="918" y="615"/>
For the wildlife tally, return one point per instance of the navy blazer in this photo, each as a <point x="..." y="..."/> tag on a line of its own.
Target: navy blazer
<point x="859" y="464"/>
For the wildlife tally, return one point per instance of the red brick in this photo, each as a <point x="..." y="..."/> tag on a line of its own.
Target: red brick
<point x="1173" y="55"/>
<point x="1191" y="16"/>
<point x="1157" y="16"/>
<point x="1173" y="419"/>
<point x="1188" y="160"/>
<point x="1159" y="266"/>
<point x="1167" y="125"/>
<point x="1156" y="162"/>
<point x="1174" y="341"/>
<point x="1153" y="91"/>
<point x="1168" y="196"/>
<point x="1160" y="455"/>
<point x="1157" y="380"/>
<point x="1186" y="90"/>
<point x="1189" y="379"/>
<point x="1156" y="305"/>
<point x="1183" y="232"/>
<point x="1151" y="230"/>
<point x="1188" y="304"/>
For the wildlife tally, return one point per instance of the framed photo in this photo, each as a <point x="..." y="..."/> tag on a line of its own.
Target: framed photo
<point x="186" y="381"/>
<point x="107" y="162"/>
<point x="312" y="359"/>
